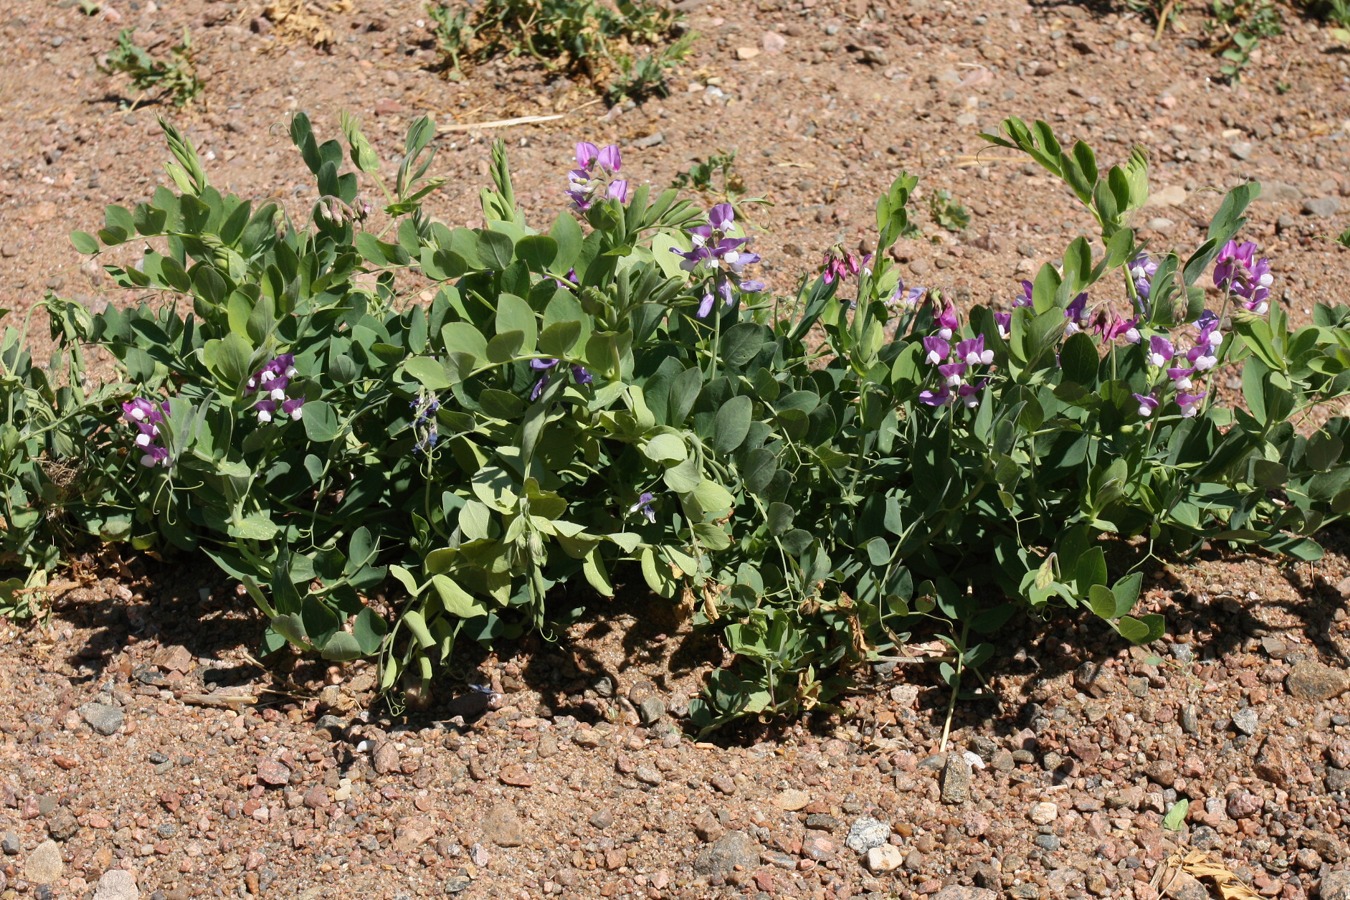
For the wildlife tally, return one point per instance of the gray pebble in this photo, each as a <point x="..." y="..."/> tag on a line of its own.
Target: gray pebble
<point x="1321" y="207"/>
<point x="1047" y="841"/>
<point x="10" y="844"/>
<point x="1245" y="721"/>
<point x="102" y="718"/>
<point x="956" y="779"/>
<point x="866" y="833"/>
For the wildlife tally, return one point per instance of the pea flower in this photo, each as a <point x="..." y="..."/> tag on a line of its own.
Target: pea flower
<point x="1239" y="273"/>
<point x="906" y="297"/>
<point x="146" y="417"/>
<point x="1025" y="299"/>
<point x="1004" y="322"/>
<point x="1120" y="327"/>
<point x="1160" y="351"/>
<point x="1181" y="377"/>
<point x="1190" y="403"/>
<point x="724" y="257"/>
<point x="972" y="352"/>
<point x="938" y="349"/>
<point x="1203" y="356"/>
<point x="970" y="393"/>
<point x="940" y="397"/>
<point x="953" y="374"/>
<point x="947" y="322"/>
<point x="580" y="374"/>
<point x="644" y="506"/>
<point x="840" y="264"/>
<point x="425" y="425"/>
<point x="1147" y="404"/>
<point x="1076" y="313"/>
<point x="594" y="176"/>
<point x="273" y="382"/>
<point x="1142" y="269"/>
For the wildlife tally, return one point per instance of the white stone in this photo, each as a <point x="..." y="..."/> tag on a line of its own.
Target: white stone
<point x="885" y="858"/>
<point x="1043" y="813"/>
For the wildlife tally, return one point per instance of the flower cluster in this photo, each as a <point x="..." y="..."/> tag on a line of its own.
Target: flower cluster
<point x="721" y="254"/>
<point x="1004" y="320"/>
<point x="593" y="177"/>
<point x="580" y="374"/>
<point x="906" y="297"/>
<point x="272" y="382"/>
<point x="954" y="363"/>
<point x="1238" y="273"/>
<point x="1183" y="370"/>
<point x="425" y="425"/>
<point x="146" y="417"/>
<point x="841" y="265"/>
<point x="1142" y="269"/>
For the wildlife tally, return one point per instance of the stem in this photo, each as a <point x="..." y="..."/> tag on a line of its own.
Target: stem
<point x="956" y="687"/>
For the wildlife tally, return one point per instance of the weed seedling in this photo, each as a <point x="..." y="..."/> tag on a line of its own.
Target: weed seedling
<point x="175" y="78"/>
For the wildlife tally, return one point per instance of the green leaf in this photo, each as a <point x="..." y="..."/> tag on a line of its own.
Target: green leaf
<point x="1126" y="592"/>
<point x="558" y="339"/>
<point x="456" y="601"/>
<point x="684" y="477"/>
<point x="428" y="372"/>
<point x="732" y="424"/>
<point x="495" y="249"/>
<point x="84" y="242"/>
<point x="593" y="567"/>
<point x="1143" y="630"/>
<point x="742" y="342"/>
<point x="1101" y="601"/>
<point x="666" y="448"/>
<point x="515" y="314"/>
<point x="228" y="359"/>
<point x="537" y="251"/>
<point x="321" y="421"/>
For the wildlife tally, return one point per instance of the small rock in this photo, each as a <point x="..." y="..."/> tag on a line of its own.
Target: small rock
<point x="385" y="759"/>
<point x="1245" y="721"/>
<point x="773" y="42"/>
<point x="515" y="776"/>
<point x="1242" y="150"/>
<point x="1185" y="886"/>
<point x="651" y="710"/>
<point x="867" y="833"/>
<point x="649" y="775"/>
<point x="602" y="819"/>
<point x="1336" y="885"/>
<point x="273" y="773"/>
<point x="117" y="884"/>
<point x="102" y="718"/>
<point x="958" y="892"/>
<point x="10" y="844"/>
<point x="885" y="858"/>
<point x="792" y="800"/>
<point x="1280" y="191"/>
<point x="44" y="865"/>
<point x="747" y="52"/>
<point x="1243" y="805"/>
<point x="1043" y="813"/>
<point x="502" y="826"/>
<point x="1172" y="195"/>
<point x="956" y="779"/>
<point x="1190" y="722"/>
<point x="458" y="884"/>
<point x="1310" y="680"/>
<point x="1047" y="842"/>
<point x="735" y="848"/>
<point x="818" y="846"/>
<point x="62" y="826"/>
<point x="724" y="783"/>
<point x="1321" y="207"/>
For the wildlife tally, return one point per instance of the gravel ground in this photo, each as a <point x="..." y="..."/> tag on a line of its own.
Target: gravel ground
<point x="144" y="753"/>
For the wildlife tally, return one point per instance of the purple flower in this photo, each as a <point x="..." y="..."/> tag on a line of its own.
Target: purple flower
<point x="537" y="391"/>
<point x="1190" y="403"/>
<point x="952" y="373"/>
<point x="1142" y="269"/>
<point x="1181" y="377"/>
<point x="1025" y="299"/>
<point x="1121" y="328"/>
<point x="540" y="365"/>
<point x="841" y="265"/>
<point x="146" y="417"/>
<point x="906" y="297"/>
<point x="274" y="380"/>
<point x="1076" y="313"/>
<point x="1239" y="273"/>
<point x="941" y="397"/>
<point x="947" y="322"/>
<point x="644" y="506"/>
<point x="937" y="349"/>
<point x="724" y="256"/>
<point x="1160" y="351"/>
<point x="1004" y="322"/>
<point x="425" y="425"/>
<point x="970" y="394"/>
<point x="972" y="352"/>
<point x="581" y="375"/>
<point x="594" y="176"/>
<point x="1147" y="404"/>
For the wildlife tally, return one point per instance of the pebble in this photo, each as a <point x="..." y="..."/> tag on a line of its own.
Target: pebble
<point x="273" y="773"/>
<point x="1242" y="150"/>
<point x="1190" y="721"/>
<point x="792" y="800"/>
<point x="955" y="779"/>
<point x="1245" y="721"/>
<point x="502" y="826"/>
<point x="866" y="833"/>
<point x="1043" y="813"/>
<point x="44" y="865"/>
<point x="1047" y="842"/>
<point x="885" y="858"/>
<point x="735" y="848"/>
<point x="649" y="775"/>
<point x="1321" y="207"/>
<point x="1336" y="885"/>
<point x="773" y="42"/>
<point x="651" y="710"/>
<point x="117" y="884"/>
<point x="1310" y="680"/>
<point x="385" y="759"/>
<point x="102" y="718"/>
<point x="960" y="892"/>
<point x="10" y="844"/>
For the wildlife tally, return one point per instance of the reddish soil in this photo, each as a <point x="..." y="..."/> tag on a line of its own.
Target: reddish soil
<point x="220" y="777"/>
